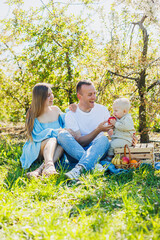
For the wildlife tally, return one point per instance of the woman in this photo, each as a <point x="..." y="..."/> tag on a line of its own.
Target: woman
<point x="43" y="122"/>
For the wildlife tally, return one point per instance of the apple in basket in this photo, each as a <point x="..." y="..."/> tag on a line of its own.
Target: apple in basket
<point x="125" y="160"/>
<point x="111" y="118"/>
<point x="134" y="164"/>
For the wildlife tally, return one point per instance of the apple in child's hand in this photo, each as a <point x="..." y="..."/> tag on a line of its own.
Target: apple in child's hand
<point x="125" y="160"/>
<point x="111" y="118"/>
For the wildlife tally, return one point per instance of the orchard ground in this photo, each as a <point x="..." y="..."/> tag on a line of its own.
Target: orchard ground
<point x="99" y="206"/>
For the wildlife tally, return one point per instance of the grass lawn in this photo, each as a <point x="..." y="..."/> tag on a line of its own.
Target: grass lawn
<point x="99" y="206"/>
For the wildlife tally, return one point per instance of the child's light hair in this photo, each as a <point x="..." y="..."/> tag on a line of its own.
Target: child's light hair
<point x="122" y="103"/>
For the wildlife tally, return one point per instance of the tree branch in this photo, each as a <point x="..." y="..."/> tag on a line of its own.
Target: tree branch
<point x="15" y="57"/>
<point x="141" y="21"/>
<point x="98" y="87"/>
<point x="126" y="77"/>
<point x="11" y="95"/>
<point x="153" y="61"/>
<point x="153" y="84"/>
<point x="145" y="36"/>
<point x="131" y="38"/>
<point x="67" y="90"/>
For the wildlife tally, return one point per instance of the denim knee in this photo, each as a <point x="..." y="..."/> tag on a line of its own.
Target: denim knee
<point x="61" y="136"/>
<point x="104" y="141"/>
<point x="70" y="145"/>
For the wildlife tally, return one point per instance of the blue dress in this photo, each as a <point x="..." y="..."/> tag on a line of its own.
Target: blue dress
<point x="41" y="131"/>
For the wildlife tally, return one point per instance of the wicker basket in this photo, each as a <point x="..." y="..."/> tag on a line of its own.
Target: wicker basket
<point x="130" y="165"/>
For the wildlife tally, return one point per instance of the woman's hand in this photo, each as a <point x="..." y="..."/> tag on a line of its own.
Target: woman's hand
<point x="73" y="107"/>
<point x="71" y="132"/>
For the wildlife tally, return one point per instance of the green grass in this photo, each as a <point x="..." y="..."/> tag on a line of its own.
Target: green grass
<point x="99" y="206"/>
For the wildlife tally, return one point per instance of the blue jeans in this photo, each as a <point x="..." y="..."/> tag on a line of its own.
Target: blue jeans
<point x="85" y="156"/>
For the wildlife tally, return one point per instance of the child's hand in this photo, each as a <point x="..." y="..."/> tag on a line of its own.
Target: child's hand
<point x="134" y="140"/>
<point x="110" y="132"/>
<point x="112" y="122"/>
<point x="73" y="107"/>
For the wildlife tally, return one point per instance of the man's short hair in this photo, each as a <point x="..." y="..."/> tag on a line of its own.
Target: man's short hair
<point x="80" y="83"/>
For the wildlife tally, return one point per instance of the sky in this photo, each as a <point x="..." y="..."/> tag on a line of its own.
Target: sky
<point x="5" y="10"/>
<point x="76" y="7"/>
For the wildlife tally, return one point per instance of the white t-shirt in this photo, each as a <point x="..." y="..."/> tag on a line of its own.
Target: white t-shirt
<point x="86" y="122"/>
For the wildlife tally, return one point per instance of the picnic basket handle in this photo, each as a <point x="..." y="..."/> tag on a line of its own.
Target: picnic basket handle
<point x="126" y="146"/>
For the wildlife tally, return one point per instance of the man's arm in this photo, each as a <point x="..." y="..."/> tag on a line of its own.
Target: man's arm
<point x="85" y="140"/>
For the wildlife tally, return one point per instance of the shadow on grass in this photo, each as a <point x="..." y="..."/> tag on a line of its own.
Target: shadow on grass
<point x="142" y="183"/>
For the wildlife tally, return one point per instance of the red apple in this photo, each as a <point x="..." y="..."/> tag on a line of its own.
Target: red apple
<point x="111" y="118"/>
<point x="125" y="160"/>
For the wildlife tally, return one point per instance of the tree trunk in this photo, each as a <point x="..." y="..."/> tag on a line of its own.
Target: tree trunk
<point x="144" y="137"/>
<point x="69" y="78"/>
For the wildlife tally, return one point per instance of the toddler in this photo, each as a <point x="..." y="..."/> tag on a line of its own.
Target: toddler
<point x="123" y="126"/>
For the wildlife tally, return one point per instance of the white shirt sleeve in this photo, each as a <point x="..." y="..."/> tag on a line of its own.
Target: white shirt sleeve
<point x="71" y="122"/>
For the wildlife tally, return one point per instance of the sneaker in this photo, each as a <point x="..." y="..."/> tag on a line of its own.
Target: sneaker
<point x="75" y="173"/>
<point x="99" y="167"/>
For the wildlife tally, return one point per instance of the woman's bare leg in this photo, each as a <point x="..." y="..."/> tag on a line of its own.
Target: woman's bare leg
<point x="50" y="169"/>
<point x="48" y="150"/>
<point x="58" y="153"/>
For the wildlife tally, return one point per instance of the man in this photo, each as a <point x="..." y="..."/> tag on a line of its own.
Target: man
<point x="87" y="125"/>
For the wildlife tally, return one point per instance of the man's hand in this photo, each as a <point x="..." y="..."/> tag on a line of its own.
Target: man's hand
<point x="103" y="127"/>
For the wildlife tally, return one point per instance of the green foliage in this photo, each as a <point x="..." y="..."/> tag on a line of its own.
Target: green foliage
<point x="52" y="49"/>
<point x="157" y="124"/>
<point x="99" y="206"/>
<point x="56" y="47"/>
<point x="126" y="57"/>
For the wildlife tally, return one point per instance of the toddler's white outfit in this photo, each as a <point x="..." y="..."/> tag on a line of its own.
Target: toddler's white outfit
<point x="122" y="133"/>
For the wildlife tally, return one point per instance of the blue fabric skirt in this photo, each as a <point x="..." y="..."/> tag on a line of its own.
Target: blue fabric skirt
<point x="41" y="131"/>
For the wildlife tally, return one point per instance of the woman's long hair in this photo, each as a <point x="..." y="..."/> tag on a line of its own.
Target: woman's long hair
<point x="39" y="96"/>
